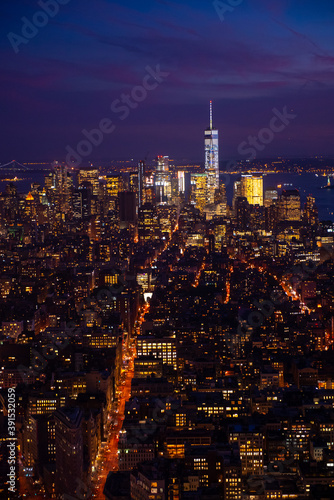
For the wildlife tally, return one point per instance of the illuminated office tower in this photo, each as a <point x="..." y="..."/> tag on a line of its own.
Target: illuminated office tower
<point x="61" y="185"/>
<point x="163" y="189"/>
<point x="289" y="205"/>
<point x="270" y="195"/>
<point x="236" y="192"/>
<point x="310" y="214"/>
<point x="220" y="234"/>
<point x="30" y="208"/>
<point x="141" y="174"/>
<point x="167" y="218"/>
<point x="148" y="188"/>
<point x="252" y="189"/>
<point x="211" y="159"/>
<point x="181" y="181"/>
<point x="114" y="185"/>
<point x="251" y="446"/>
<point x="133" y="182"/>
<point x="148" y="223"/>
<point x="199" y="186"/>
<point x="77" y="204"/>
<point x="90" y="175"/>
<point x="86" y="199"/>
<point x="220" y="195"/>
<point x="164" y="348"/>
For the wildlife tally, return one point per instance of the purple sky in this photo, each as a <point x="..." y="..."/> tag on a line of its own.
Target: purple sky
<point x="263" y="55"/>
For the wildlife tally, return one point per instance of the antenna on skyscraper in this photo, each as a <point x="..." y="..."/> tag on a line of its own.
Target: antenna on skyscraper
<point x="210" y="115"/>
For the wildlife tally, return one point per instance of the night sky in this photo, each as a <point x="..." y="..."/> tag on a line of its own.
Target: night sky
<point x="265" y="54"/>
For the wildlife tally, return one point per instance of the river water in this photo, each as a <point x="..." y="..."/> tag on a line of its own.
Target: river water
<point x="306" y="183"/>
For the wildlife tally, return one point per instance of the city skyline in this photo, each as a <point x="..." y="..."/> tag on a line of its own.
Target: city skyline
<point x="167" y="250"/>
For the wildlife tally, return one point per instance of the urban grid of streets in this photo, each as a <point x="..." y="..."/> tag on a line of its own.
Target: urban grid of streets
<point x="107" y="459"/>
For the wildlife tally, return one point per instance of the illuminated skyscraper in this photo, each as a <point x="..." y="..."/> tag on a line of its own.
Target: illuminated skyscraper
<point x="114" y="186"/>
<point x="141" y="173"/>
<point x="252" y="189"/>
<point x="163" y="190"/>
<point x="310" y="214"/>
<point x="181" y="181"/>
<point x="148" y="223"/>
<point x="289" y="205"/>
<point x="270" y="195"/>
<point x="60" y="193"/>
<point x="199" y="190"/>
<point x="90" y="175"/>
<point x="236" y="192"/>
<point x="211" y="159"/>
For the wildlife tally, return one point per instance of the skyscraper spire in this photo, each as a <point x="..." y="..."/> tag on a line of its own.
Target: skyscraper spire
<point x="211" y="159"/>
<point x="210" y="115"/>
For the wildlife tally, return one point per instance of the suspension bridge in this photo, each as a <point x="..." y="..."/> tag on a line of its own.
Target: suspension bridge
<point x="13" y="166"/>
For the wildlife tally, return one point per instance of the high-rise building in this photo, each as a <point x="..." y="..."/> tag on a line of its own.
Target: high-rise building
<point x="242" y="213"/>
<point x="199" y="186"/>
<point x="310" y="214"/>
<point x="133" y="182"/>
<point x="163" y="190"/>
<point x="85" y="190"/>
<point x="164" y="348"/>
<point x="61" y="185"/>
<point x="251" y="447"/>
<point x="148" y="188"/>
<point x="114" y="185"/>
<point x="90" y="175"/>
<point x="141" y="174"/>
<point x="252" y="189"/>
<point x="181" y="181"/>
<point x="69" y="450"/>
<point x="127" y="208"/>
<point x="289" y="205"/>
<point x="270" y="214"/>
<point x="236" y="193"/>
<point x="77" y="203"/>
<point x="211" y="159"/>
<point x="167" y="218"/>
<point x="270" y="195"/>
<point x="148" y="223"/>
<point x="43" y="441"/>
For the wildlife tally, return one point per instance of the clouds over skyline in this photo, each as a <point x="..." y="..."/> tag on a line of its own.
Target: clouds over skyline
<point x="260" y="57"/>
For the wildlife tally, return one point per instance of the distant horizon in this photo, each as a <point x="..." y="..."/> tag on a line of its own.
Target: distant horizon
<point x="222" y="162"/>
